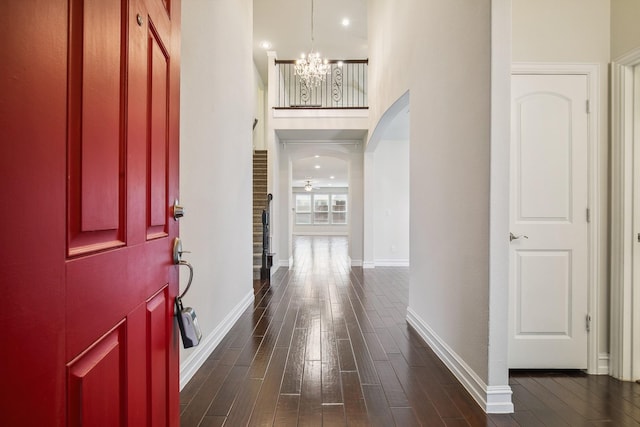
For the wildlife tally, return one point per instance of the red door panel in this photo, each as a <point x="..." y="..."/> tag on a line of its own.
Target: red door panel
<point x="96" y="121"/>
<point x="96" y="381"/>
<point x="137" y="367"/>
<point x="89" y="113"/>
<point x="102" y="56"/>
<point x="158" y="309"/>
<point x="94" y="287"/>
<point x="158" y="124"/>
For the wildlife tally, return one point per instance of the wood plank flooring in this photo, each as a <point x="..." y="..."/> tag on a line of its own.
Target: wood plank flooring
<point x="327" y="344"/>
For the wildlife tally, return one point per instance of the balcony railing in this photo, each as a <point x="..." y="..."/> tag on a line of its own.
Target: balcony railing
<point x="344" y="87"/>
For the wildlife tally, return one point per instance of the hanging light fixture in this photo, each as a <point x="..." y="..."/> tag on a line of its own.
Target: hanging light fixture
<point x="308" y="186"/>
<point x="312" y="69"/>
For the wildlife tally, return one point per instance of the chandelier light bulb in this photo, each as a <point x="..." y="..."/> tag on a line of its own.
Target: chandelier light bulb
<point x="312" y="70"/>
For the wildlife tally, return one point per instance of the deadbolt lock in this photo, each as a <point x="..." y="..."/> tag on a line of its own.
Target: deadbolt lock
<point x="177" y="210"/>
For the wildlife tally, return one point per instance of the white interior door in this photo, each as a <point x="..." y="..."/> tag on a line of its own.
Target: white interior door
<point x="548" y="305"/>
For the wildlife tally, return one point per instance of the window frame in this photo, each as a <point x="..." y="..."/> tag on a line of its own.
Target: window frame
<point x="315" y="210"/>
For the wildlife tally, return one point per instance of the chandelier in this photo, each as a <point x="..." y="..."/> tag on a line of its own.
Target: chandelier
<point x="312" y="69"/>
<point x="308" y="186"/>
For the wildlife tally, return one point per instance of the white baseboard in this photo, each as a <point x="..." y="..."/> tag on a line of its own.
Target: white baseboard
<point x="603" y="364"/>
<point x="286" y="262"/>
<point x="195" y="360"/>
<point x="392" y="263"/>
<point x="368" y="264"/>
<point x="492" y="399"/>
<point x="356" y="262"/>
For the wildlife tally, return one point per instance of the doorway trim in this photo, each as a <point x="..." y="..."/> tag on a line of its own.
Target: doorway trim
<point x="625" y="300"/>
<point x="596" y="364"/>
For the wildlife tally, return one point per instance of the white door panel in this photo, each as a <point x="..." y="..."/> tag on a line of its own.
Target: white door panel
<point x="543" y="280"/>
<point x="544" y="158"/>
<point x="549" y="198"/>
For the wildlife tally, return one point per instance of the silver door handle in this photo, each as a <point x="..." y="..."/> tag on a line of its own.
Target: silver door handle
<point x="190" y="267"/>
<point x="513" y="237"/>
<point x="177" y="260"/>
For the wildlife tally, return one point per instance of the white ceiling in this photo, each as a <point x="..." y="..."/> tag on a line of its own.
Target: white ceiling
<point x="286" y="24"/>
<point x="305" y="169"/>
<point x="330" y="147"/>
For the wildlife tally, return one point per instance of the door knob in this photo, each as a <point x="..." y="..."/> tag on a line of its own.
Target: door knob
<point x="177" y="251"/>
<point x="177" y="210"/>
<point x="513" y="237"/>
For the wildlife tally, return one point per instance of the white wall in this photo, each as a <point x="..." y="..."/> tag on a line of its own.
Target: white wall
<point x="391" y="42"/>
<point x="356" y="206"/>
<point x="259" y="112"/>
<point x="216" y="163"/>
<point x="541" y="34"/>
<point x="625" y="31"/>
<point x="285" y="202"/>
<point x="273" y="187"/>
<point x="391" y="203"/>
<point x="561" y="30"/>
<point x="441" y="52"/>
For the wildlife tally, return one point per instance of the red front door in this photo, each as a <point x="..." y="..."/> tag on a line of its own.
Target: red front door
<point x="89" y="120"/>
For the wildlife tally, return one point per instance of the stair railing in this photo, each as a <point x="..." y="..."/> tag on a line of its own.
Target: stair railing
<point x="267" y="256"/>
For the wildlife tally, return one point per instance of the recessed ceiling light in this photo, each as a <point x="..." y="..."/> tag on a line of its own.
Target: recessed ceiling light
<point x="346" y="22"/>
<point x="317" y="166"/>
<point x="316" y="156"/>
<point x="332" y="177"/>
<point x="265" y="45"/>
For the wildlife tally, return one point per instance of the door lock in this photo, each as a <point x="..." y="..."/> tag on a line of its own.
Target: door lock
<point x="177" y="210"/>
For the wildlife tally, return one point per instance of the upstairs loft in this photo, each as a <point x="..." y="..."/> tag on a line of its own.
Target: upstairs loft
<point x="344" y="87"/>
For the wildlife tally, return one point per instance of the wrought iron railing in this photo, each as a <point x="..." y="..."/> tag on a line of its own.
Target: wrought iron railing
<point x="344" y="87"/>
<point x="267" y="256"/>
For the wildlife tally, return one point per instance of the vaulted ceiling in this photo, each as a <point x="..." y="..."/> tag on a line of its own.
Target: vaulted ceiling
<point x="286" y="25"/>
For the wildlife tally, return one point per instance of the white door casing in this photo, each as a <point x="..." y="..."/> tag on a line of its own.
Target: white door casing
<point x="625" y="217"/>
<point x="549" y="270"/>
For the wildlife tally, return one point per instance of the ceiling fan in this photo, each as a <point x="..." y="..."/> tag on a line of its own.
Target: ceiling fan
<point x="308" y="186"/>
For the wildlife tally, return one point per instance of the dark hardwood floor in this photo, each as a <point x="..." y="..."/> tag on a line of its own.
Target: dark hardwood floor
<point x="328" y="345"/>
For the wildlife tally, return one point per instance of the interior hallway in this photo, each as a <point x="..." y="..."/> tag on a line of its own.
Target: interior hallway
<point x="327" y="344"/>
